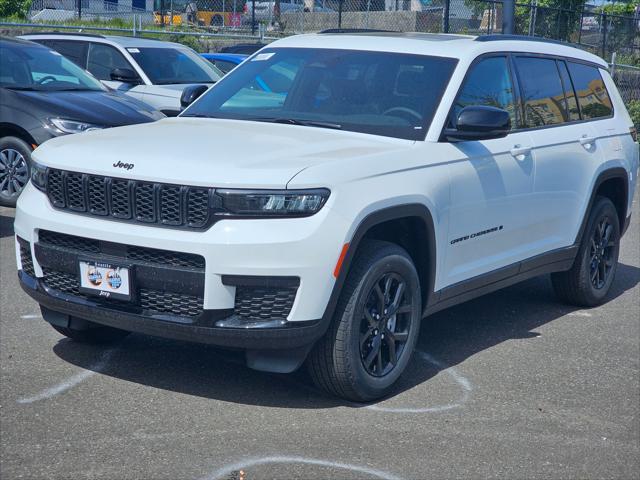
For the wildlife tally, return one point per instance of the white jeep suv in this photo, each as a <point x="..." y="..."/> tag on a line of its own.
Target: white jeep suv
<point x="330" y="193"/>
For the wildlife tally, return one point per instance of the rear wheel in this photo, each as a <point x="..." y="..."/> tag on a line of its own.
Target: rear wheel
<point x="15" y="158"/>
<point x="94" y="334"/>
<point x="375" y="326"/>
<point x="589" y="280"/>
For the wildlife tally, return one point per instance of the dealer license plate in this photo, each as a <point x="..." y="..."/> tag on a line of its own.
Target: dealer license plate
<point x="105" y="280"/>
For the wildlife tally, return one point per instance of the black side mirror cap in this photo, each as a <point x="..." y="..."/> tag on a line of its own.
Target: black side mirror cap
<point x="125" y="75"/>
<point x="190" y="94"/>
<point x="479" y="122"/>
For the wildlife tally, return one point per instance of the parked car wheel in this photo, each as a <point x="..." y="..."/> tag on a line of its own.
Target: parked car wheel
<point x="375" y="326"/>
<point x="589" y="280"/>
<point x="15" y="160"/>
<point x="96" y="334"/>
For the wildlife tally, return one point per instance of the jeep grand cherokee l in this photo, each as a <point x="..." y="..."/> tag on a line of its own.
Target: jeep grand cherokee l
<point x="383" y="178"/>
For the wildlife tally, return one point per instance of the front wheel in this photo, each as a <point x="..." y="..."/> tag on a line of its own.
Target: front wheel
<point x="15" y="158"/>
<point x="589" y="280"/>
<point x="375" y="326"/>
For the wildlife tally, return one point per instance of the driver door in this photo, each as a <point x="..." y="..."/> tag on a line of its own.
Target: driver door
<point x="491" y="182"/>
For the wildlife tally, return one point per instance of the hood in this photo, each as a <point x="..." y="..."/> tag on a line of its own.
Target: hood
<point x="102" y="108"/>
<point x="209" y="152"/>
<point x="173" y="90"/>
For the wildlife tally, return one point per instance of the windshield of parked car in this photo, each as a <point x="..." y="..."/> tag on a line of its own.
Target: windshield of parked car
<point x="33" y="67"/>
<point x="170" y="65"/>
<point x="380" y="93"/>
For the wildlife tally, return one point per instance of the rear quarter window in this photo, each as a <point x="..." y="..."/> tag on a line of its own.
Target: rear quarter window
<point x="592" y="94"/>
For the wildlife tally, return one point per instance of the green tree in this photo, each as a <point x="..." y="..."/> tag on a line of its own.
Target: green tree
<point x="14" y="8"/>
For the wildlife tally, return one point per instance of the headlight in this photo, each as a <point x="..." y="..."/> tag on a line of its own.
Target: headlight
<point x="39" y="176"/>
<point x="272" y="203"/>
<point x="71" y="126"/>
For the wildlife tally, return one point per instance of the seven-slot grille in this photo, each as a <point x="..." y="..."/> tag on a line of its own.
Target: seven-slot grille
<point x="130" y="200"/>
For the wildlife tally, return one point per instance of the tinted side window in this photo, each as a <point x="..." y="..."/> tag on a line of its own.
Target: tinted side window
<point x="224" y="65"/>
<point x="572" y="112"/>
<point x="593" y="97"/>
<point x="103" y="59"/>
<point x="542" y="92"/>
<point x="74" y="51"/>
<point x="488" y="83"/>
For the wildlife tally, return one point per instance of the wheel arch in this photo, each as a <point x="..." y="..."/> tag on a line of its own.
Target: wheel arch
<point x="13" y="130"/>
<point x="612" y="183"/>
<point x="395" y="224"/>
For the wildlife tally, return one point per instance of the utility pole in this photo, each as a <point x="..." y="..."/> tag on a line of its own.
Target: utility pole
<point x="508" y="16"/>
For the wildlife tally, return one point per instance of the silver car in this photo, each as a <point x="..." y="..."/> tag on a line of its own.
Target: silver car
<point x="152" y="71"/>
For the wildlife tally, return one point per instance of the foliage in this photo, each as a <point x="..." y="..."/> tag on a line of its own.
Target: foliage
<point x="188" y="40"/>
<point x="634" y="110"/>
<point x="627" y="8"/>
<point x="14" y="8"/>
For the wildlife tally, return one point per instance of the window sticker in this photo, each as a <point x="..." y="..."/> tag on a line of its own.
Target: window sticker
<point x="133" y="50"/>
<point x="262" y="56"/>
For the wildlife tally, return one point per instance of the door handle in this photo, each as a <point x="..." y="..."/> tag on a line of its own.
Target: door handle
<point x="587" y="142"/>
<point x="519" y="152"/>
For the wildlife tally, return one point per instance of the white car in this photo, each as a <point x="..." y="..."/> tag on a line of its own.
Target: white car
<point x="152" y="71"/>
<point x="320" y="214"/>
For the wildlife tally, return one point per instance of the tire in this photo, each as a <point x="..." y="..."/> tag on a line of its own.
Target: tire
<point x="96" y="334"/>
<point x="337" y="362"/>
<point x="15" y="168"/>
<point x="585" y="285"/>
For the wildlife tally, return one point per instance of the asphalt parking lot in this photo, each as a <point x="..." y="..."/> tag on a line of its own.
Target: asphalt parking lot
<point x="512" y="385"/>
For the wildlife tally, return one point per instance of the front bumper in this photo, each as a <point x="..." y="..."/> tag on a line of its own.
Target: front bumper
<point x="291" y="336"/>
<point x="306" y="248"/>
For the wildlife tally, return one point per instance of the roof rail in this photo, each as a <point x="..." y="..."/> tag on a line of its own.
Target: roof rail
<point x="57" y="32"/>
<point x="356" y="30"/>
<point x="496" y="37"/>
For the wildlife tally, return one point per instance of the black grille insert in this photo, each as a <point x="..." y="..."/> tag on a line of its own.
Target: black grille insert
<point x="130" y="200"/>
<point x="26" y="259"/>
<point x="152" y="256"/>
<point x="154" y="301"/>
<point x="265" y="303"/>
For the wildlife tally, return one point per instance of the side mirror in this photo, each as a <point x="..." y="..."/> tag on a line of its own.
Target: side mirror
<point x="124" y="75"/>
<point x="479" y="122"/>
<point x="190" y="94"/>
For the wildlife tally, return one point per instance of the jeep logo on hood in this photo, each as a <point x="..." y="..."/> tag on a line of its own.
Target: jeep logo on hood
<point x="126" y="166"/>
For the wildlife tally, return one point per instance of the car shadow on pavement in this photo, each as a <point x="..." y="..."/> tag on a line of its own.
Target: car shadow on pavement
<point x="450" y="336"/>
<point x="6" y="226"/>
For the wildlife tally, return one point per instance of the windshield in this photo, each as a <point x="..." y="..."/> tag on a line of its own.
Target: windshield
<point x="171" y="65"/>
<point x="33" y="67"/>
<point x="380" y="93"/>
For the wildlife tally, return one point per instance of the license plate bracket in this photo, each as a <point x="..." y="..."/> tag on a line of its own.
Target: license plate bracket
<point x="105" y="279"/>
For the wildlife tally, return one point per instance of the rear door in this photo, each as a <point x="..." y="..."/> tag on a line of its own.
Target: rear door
<point x="558" y="109"/>
<point x="74" y="50"/>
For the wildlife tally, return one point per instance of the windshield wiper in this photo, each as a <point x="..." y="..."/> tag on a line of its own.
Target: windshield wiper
<point x="28" y="89"/>
<point x="295" y="121"/>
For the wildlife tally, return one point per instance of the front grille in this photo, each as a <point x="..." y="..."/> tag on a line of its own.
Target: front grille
<point x="152" y="256"/>
<point x="265" y="303"/>
<point x="25" y="258"/>
<point x="172" y="303"/>
<point x="153" y="301"/>
<point x="69" y="242"/>
<point x="130" y="200"/>
<point x="62" y="282"/>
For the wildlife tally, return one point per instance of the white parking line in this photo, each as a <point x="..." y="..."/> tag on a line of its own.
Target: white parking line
<point x="463" y="382"/>
<point x="30" y="316"/>
<point x="226" y="470"/>
<point x="579" y="313"/>
<point x="71" y="381"/>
